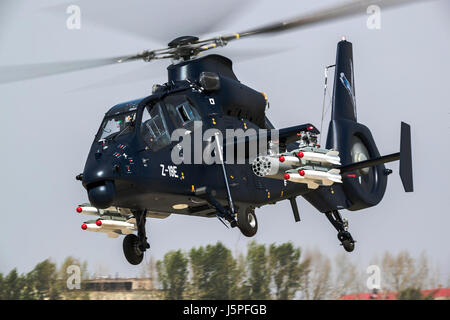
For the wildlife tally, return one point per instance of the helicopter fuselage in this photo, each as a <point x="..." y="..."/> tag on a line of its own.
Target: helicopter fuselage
<point x="124" y="170"/>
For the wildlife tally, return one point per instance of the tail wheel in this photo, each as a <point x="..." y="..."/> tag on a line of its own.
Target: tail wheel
<point x="348" y="245"/>
<point x="347" y="241"/>
<point x="247" y="222"/>
<point x="131" y="249"/>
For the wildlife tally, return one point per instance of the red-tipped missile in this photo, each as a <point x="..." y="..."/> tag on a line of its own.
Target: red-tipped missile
<point x="314" y="178"/>
<point x="330" y="157"/>
<point x="88" y="210"/>
<point x="113" y="228"/>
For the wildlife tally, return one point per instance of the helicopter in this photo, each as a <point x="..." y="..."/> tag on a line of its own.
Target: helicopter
<point x="136" y="169"/>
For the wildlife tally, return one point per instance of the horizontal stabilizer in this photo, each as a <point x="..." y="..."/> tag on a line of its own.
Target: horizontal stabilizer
<point x="369" y="163"/>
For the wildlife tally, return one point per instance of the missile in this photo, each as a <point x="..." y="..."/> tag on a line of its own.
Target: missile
<point x="113" y="228"/>
<point x="302" y="156"/>
<point x="331" y="157"/>
<point x="87" y="209"/>
<point x="314" y="178"/>
<point x="91" y="211"/>
<point x="292" y="161"/>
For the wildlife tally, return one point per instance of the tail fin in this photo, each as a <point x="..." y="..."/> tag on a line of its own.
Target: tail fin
<point x="405" y="158"/>
<point x="344" y="102"/>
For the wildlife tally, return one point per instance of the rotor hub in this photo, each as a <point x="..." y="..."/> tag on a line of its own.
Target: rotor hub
<point x="182" y="41"/>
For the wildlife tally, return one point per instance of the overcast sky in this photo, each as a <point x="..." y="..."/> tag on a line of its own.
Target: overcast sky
<point x="401" y="74"/>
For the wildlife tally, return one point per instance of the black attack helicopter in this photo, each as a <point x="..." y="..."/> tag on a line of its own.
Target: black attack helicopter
<point x="129" y="174"/>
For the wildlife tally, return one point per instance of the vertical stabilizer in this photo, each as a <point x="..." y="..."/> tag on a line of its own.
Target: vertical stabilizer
<point x="344" y="102"/>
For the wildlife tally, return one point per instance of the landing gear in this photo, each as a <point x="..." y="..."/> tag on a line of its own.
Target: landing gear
<point x="246" y="222"/>
<point x="131" y="250"/>
<point x="135" y="246"/>
<point x="347" y="241"/>
<point x="341" y="226"/>
<point x="222" y="212"/>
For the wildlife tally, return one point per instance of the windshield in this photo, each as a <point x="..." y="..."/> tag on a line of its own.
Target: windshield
<point x="113" y="125"/>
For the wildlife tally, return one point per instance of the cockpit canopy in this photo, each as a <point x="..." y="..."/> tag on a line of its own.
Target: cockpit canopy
<point x="180" y="105"/>
<point x="120" y="119"/>
<point x="118" y="124"/>
<point x="155" y="121"/>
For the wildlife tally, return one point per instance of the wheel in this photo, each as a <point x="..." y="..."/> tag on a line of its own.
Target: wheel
<point x="247" y="223"/>
<point x="131" y="249"/>
<point x="348" y="245"/>
<point x="347" y="241"/>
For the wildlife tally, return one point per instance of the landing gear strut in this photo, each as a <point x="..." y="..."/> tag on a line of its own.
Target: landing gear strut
<point x="135" y="246"/>
<point x="341" y="226"/>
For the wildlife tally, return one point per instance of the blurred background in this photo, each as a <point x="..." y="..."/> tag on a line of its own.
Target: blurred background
<point x="401" y="74"/>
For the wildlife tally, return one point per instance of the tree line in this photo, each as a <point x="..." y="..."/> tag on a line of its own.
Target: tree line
<point x="45" y="281"/>
<point x="275" y="271"/>
<point x="284" y="272"/>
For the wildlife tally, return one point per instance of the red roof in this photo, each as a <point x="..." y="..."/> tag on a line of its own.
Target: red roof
<point x="439" y="293"/>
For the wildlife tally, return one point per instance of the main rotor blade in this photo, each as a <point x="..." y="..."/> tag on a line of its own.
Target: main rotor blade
<point x="30" y="71"/>
<point x="324" y="15"/>
<point x="159" y="21"/>
<point x="147" y="72"/>
<point x="250" y="53"/>
<point x="150" y="71"/>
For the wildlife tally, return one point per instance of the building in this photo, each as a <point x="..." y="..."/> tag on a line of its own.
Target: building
<point x="436" y="294"/>
<point x="121" y="284"/>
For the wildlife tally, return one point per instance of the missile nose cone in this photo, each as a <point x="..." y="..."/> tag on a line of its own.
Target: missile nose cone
<point x="102" y="196"/>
